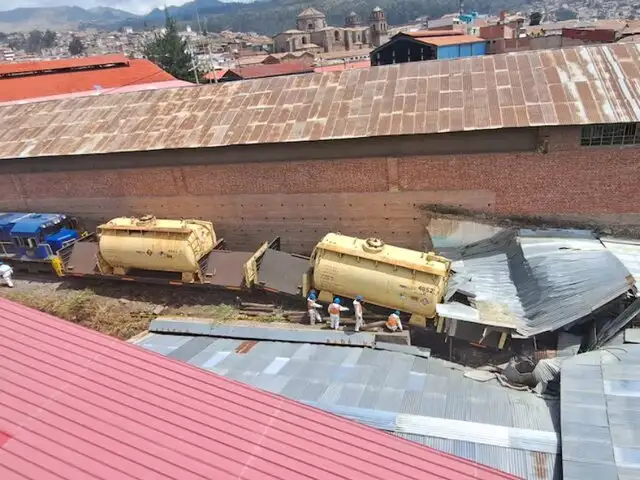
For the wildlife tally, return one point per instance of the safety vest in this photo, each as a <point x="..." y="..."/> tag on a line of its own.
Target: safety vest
<point x="334" y="309"/>
<point x="393" y="321"/>
<point x="357" y="307"/>
<point x="310" y="304"/>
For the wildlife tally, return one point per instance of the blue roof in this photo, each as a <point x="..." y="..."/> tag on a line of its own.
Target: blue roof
<point x="34" y="222"/>
<point x="10" y="218"/>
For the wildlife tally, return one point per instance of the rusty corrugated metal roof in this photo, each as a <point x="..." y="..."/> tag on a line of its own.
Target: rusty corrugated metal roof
<point x="581" y="85"/>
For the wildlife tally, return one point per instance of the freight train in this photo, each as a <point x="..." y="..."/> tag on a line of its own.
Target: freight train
<point x="187" y="252"/>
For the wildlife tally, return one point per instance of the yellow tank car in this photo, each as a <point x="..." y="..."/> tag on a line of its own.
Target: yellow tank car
<point x="387" y="276"/>
<point x="148" y="243"/>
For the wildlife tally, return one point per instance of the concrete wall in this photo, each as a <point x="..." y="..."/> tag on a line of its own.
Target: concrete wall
<point x="361" y="187"/>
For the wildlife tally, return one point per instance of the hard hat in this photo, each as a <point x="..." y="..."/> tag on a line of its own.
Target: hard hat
<point x="312" y="296"/>
<point x="312" y="292"/>
<point x="397" y="312"/>
<point x="336" y="300"/>
<point x="359" y="298"/>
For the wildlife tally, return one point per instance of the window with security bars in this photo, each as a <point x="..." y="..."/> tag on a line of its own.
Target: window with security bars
<point x="610" y="134"/>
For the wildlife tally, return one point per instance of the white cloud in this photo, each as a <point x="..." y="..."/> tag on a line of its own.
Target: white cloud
<point x="133" y="6"/>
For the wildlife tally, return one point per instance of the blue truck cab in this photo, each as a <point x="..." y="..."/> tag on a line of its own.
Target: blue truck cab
<point x="39" y="236"/>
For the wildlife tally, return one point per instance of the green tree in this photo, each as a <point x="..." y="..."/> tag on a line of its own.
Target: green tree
<point x="48" y="39"/>
<point x="171" y="53"/>
<point x="34" y="41"/>
<point x="76" y="47"/>
<point x="563" y="14"/>
<point x="535" y="18"/>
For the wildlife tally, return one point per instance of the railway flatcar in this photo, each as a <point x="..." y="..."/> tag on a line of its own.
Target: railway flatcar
<point x="32" y="241"/>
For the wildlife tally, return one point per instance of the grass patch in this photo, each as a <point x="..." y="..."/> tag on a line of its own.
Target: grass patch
<point x="84" y="308"/>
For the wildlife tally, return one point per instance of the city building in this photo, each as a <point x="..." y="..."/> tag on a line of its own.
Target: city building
<point x="427" y="45"/>
<point x="312" y="34"/>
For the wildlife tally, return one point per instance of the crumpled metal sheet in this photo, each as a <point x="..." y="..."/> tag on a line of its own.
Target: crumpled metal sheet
<point x="540" y="281"/>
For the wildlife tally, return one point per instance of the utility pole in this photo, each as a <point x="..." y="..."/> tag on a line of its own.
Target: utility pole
<point x="193" y="62"/>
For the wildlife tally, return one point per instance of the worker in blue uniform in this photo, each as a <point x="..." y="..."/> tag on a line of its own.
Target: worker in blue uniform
<point x="314" y="315"/>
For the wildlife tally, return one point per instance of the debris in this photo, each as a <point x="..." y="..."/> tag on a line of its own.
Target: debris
<point x="158" y="309"/>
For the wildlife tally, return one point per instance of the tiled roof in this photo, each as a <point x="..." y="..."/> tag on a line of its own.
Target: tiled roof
<point x="572" y="86"/>
<point x="125" y="72"/>
<point x="78" y="404"/>
<point x="269" y="70"/>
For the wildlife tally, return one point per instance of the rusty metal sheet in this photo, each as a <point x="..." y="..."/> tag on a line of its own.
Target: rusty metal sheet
<point x="224" y="268"/>
<point x="83" y="259"/>
<point x="282" y="272"/>
<point x="597" y="82"/>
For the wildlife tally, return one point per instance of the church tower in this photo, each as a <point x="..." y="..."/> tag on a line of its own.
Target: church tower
<point x="378" y="23"/>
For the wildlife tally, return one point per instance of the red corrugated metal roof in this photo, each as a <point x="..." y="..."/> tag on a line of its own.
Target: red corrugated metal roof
<point x="133" y="72"/>
<point x="270" y="70"/>
<point x="60" y="64"/>
<point x="78" y="404"/>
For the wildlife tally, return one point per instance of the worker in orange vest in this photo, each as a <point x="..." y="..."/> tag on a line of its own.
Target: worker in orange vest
<point x="393" y="322"/>
<point x="334" y="313"/>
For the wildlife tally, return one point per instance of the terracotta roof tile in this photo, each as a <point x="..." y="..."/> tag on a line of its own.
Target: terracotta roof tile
<point x="580" y="85"/>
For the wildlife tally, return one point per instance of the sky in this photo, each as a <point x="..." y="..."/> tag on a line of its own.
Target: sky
<point x="133" y="6"/>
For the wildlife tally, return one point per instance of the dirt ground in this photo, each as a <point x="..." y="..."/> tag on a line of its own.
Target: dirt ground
<point x="124" y="310"/>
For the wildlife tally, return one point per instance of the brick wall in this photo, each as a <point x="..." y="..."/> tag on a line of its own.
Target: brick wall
<point x="302" y="200"/>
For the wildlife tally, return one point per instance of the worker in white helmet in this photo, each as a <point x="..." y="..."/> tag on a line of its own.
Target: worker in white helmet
<point x="357" y="311"/>
<point x="314" y="315"/>
<point x="393" y="322"/>
<point x="334" y="313"/>
<point x="5" y="272"/>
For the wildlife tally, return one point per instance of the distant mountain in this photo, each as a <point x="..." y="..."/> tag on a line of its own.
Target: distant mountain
<point x="262" y="16"/>
<point x="59" y="18"/>
<point x="272" y="16"/>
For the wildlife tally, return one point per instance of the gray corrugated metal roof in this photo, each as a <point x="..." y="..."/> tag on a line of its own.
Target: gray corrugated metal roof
<point x="570" y="86"/>
<point x="539" y="282"/>
<point x="194" y="327"/>
<point x="600" y="401"/>
<point x="627" y="251"/>
<point x="391" y="389"/>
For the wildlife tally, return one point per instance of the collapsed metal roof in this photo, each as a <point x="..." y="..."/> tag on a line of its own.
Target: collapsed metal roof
<point x="571" y="86"/>
<point x="425" y="400"/>
<point x="534" y="282"/>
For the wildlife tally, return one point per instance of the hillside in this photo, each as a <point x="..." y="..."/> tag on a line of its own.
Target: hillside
<point x="265" y="17"/>
<point x="59" y="18"/>
<point x="273" y="16"/>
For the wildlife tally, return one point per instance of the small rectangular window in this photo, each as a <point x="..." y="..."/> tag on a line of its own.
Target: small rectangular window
<point x="610" y="134"/>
